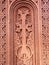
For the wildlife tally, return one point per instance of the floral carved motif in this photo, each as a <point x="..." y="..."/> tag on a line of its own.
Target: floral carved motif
<point x="23" y="37"/>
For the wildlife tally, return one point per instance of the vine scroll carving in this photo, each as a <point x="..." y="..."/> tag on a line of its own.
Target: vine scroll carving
<point x="24" y="33"/>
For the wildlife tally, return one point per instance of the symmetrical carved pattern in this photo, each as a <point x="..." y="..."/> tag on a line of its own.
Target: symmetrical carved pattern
<point x="23" y="34"/>
<point x="45" y="32"/>
<point x="11" y="1"/>
<point x="3" y="37"/>
<point x="24" y="37"/>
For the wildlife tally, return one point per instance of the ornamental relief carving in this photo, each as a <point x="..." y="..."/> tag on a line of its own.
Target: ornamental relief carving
<point x="45" y="32"/>
<point x="35" y="1"/>
<point x="24" y="49"/>
<point x="24" y="36"/>
<point x="3" y="41"/>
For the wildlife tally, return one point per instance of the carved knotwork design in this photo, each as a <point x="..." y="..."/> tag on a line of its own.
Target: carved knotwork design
<point x="45" y="34"/>
<point x="3" y="32"/>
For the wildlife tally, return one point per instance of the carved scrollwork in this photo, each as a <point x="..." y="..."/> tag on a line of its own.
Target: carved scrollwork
<point x="24" y="56"/>
<point x="23" y="33"/>
<point x="27" y="62"/>
<point x="18" y="28"/>
<point x="29" y="33"/>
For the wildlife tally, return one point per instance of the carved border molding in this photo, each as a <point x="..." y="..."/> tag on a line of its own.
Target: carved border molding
<point x="35" y="1"/>
<point x="3" y="32"/>
<point x="45" y="32"/>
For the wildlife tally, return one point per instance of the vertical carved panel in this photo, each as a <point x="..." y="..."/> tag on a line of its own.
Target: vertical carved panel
<point x="24" y="36"/>
<point x="45" y="32"/>
<point x="24" y="31"/>
<point x="3" y="32"/>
